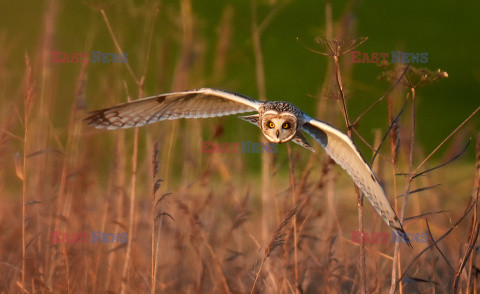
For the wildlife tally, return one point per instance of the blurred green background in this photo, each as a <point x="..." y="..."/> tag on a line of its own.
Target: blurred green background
<point x="447" y="30"/>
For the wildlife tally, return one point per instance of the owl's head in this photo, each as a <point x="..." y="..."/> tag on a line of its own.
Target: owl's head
<point x="278" y="127"/>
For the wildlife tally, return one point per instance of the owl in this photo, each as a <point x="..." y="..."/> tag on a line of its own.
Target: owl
<point x="279" y="122"/>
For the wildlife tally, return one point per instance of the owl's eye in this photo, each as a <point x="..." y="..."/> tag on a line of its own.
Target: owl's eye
<point x="271" y="125"/>
<point x="286" y="125"/>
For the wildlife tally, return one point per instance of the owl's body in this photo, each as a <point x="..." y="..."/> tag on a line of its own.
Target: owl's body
<point x="279" y="122"/>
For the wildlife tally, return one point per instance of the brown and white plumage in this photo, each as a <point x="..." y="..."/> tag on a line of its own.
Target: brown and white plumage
<point x="342" y="150"/>
<point x="279" y="121"/>
<point x="199" y="103"/>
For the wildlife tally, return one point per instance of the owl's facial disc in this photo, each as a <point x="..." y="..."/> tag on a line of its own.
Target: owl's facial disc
<point x="279" y="128"/>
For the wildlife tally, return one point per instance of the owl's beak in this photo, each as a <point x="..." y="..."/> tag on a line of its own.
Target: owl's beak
<point x="278" y="134"/>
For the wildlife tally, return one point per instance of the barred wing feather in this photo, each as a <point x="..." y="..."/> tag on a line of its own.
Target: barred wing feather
<point x="190" y="104"/>
<point x="342" y="150"/>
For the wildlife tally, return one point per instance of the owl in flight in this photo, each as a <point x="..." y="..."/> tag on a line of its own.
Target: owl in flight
<point x="279" y="122"/>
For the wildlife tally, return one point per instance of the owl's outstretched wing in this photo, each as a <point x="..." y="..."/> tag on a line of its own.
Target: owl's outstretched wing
<point x="199" y="103"/>
<point x="341" y="149"/>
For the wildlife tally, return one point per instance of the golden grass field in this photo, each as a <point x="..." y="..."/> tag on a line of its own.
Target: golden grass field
<point x="145" y="210"/>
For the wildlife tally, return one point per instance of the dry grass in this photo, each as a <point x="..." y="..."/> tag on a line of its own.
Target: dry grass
<point x="195" y="221"/>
